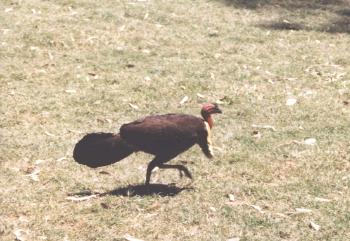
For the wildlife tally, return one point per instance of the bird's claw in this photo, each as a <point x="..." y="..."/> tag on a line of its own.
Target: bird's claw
<point x="181" y="174"/>
<point x="186" y="172"/>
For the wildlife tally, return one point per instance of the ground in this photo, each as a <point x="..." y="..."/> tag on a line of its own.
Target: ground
<point x="280" y="71"/>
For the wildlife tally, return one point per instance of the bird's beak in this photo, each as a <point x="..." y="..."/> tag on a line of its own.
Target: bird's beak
<point x="217" y="110"/>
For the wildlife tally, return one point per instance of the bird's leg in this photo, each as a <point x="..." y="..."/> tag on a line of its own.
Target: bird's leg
<point x="151" y="166"/>
<point x="158" y="162"/>
<point x="181" y="169"/>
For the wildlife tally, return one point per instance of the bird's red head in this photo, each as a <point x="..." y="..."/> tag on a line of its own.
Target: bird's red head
<point x="207" y="110"/>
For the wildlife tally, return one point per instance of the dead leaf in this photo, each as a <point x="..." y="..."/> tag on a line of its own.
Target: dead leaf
<point x="37" y="162"/>
<point x="20" y="234"/>
<point x="34" y="174"/>
<point x="227" y="100"/>
<point x="101" y="120"/>
<point x="307" y="93"/>
<point x="184" y="100"/>
<point x="310" y="141"/>
<point x="104" y="172"/>
<point x="213" y="33"/>
<point x="284" y="235"/>
<point x="314" y="226"/>
<point x="131" y="238"/>
<point x="236" y="203"/>
<point x="23" y="219"/>
<point x="320" y="199"/>
<point x="256" y="207"/>
<point x="217" y="55"/>
<point x="61" y="159"/>
<point x="256" y="134"/>
<point x="49" y="134"/>
<point x="105" y="206"/>
<point x="193" y="231"/>
<point x="122" y="28"/>
<point x="264" y="127"/>
<point x="120" y="49"/>
<point x="231" y="197"/>
<point x="282" y="215"/>
<point x="79" y="199"/>
<point x="200" y="95"/>
<point x="70" y="91"/>
<point x="303" y="210"/>
<point x="154" y="206"/>
<point x="130" y="66"/>
<point x="218" y="148"/>
<point x="291" y="101"/>
<point x="233" y="239"/>
<point x="135" y="107"/>
<point x="75" y="131"/>
<point x="34" y="48"/>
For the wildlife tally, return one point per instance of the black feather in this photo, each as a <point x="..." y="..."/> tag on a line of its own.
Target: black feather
<point x="100" y="149"/>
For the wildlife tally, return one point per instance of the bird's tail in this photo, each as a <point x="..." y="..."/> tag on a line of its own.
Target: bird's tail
<point x="101" y="149"/>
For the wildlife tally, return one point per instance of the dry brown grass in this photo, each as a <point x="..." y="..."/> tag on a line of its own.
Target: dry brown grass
<point x="72" y="67"/>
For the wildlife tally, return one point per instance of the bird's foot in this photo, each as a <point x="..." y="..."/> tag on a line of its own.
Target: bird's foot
<point x="186" y="172"/>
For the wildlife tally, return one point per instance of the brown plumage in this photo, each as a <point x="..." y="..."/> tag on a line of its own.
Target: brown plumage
<point x="164" y="136"/>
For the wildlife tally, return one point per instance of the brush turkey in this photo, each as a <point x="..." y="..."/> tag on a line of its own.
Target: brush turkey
<point x="164" y="136"/>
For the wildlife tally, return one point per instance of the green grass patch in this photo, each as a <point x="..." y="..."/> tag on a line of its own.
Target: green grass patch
<point x="72" y="67"/>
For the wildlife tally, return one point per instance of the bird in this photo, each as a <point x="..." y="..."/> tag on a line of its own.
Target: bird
<point x="164" y="136"/>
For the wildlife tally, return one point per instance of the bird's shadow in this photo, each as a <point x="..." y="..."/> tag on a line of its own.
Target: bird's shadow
<point x="148" y="190"/>
<point x="141" y="190"/>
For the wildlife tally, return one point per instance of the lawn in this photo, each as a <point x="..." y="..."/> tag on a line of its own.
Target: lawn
<point x="280" y="71"/>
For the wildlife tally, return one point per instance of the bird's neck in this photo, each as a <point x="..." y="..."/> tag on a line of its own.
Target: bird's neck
<point x="209" y="119"/>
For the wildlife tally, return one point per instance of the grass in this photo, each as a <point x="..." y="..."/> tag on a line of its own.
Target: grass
<point x="73" y="67"/>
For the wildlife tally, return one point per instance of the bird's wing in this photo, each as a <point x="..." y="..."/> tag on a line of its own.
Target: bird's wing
<point x="164" y="133"/>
